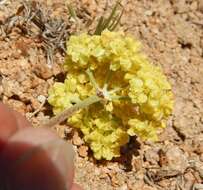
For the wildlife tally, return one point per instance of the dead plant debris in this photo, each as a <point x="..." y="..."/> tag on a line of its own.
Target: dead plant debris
<point x="34" y="21"/>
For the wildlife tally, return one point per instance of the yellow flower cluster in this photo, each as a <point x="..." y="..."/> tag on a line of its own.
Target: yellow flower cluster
<point x="135" y="96"/>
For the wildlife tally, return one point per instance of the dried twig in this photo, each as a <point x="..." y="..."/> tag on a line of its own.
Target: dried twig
<point x="2" y="2"/>
<point x="197" y="186"/>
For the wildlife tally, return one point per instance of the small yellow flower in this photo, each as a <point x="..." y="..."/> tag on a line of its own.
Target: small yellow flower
<point x="135" y="96"/>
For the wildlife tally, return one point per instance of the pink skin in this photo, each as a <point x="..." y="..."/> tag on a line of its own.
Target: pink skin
<point x="33" y="158"/>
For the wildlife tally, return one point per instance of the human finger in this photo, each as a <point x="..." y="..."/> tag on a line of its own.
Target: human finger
<point x="37" y="159"/>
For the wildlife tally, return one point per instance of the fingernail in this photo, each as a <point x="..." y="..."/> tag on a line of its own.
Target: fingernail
<point x="61" y="153"/>
<point x="22" y="122"/>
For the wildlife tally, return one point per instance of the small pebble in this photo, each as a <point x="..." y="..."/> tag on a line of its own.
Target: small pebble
<point x="41" y="98"/>
<point x="83" y="151"/>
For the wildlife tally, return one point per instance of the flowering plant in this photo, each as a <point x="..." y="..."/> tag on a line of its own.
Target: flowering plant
<point x="120" y="92"/>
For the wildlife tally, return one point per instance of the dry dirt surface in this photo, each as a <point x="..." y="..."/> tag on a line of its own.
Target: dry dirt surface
<point x="172" y="35"/>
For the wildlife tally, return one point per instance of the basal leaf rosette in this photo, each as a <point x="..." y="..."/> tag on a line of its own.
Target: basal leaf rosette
<point x="135" y="98"/>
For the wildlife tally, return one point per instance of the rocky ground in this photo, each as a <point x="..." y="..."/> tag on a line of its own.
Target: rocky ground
<point x="172" y="35"/>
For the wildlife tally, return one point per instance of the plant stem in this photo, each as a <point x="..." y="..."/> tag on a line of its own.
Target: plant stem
<point x="92" y="79"/>
<point x="70" y="111"/>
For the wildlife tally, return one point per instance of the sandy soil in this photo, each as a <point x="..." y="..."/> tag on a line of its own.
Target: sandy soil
<point x="172" y="35"/>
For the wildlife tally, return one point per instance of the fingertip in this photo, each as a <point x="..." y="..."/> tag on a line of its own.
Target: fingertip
<point x="76" y="187"/>
<point x="58" y="151"/>
<point x="22" y="122"/>
<point x="8" y="123"/>
<point x="35" y="154"/>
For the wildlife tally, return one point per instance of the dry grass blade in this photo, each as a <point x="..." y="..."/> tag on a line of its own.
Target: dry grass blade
<point x="115" y="24"/>
<point x="111" y="22"/>
<point x="99" y="26"/>
<point x="72" y="12"/>
<point x="111" y="16"/>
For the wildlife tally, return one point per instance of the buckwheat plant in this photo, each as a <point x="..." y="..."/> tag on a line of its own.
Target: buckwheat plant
<point x="116" y="91"/>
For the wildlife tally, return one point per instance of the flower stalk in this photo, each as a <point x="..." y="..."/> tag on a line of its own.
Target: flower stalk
<point x="100" y="95"/>
<point x="70" y="111"/>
